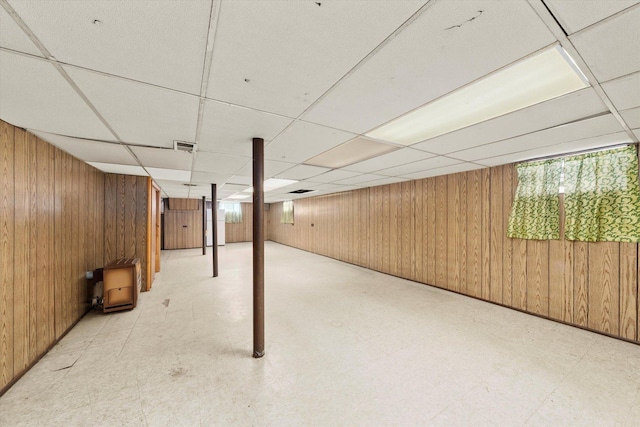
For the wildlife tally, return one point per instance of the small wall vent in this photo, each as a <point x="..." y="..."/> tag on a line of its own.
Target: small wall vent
<point x="189" y="147"/>
<point x="300" y="191"/>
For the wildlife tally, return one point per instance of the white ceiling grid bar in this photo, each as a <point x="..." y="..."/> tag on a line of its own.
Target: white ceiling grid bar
<point x="568" y="45"/>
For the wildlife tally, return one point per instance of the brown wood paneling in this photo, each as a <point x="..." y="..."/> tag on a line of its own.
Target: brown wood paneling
<point x="508" y="191"/>
<point x="33" y="194"/>
<point x="496" y="229"/>
<point x="21" y="253"/>
<point x="604" y="290"/>
<point x="44" y="266"/>
<point x="58" y="242"/>
<point x="7" y="209"/>
<point x="628" y="290"/>
<point x="453" y="233"/>
<point x="429" y="209"/>
<point x="538" y="277"/>
<point x="131" y="218"/>
<point x="474" y="236"/>
<point x="581" y="283"/>
<point x="441" y="244"/>
<point x="140" y="217"/>
<point x="455" y="228"/>
<point x="183" y="204"/>
<point x="110" y="209"/>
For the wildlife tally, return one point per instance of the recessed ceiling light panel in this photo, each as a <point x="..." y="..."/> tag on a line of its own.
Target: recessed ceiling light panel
<point x="353" y="151"/>
<point x="538" y="78"/>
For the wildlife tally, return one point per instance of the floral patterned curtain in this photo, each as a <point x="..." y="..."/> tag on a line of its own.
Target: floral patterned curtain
<point x="535" y="212"/>
<point x="287" y="212"/>
<point x="602" y="198"/>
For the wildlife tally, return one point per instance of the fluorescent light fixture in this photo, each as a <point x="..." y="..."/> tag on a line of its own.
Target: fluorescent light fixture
<point x="239" y="196"/>
<point x="538" y="78"/>
<point x="354" y="151"/>
<point x="272" y="184"/>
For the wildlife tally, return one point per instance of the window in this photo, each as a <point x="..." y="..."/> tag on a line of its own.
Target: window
<point x="601" y="197"/>
<point x="287" y="212"/>
<point x="232" y="212"/>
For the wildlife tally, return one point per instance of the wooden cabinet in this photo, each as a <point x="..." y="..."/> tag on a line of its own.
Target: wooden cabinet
<point x="121" y="281"/>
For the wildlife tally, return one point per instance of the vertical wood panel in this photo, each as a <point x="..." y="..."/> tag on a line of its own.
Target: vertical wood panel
<point x="604" y="297"/>
<point x="110" y="218"/>
<point x="120" y="214"/>
<point x="486" y="234"/>
<point x="474" y="236"/>
<point x="538" y="277"/>
<point x="557" y="294"/>
<point x="21" y="253"/>
<point x="32" y="243"/>
<point x="140" y="218"/>
<point x="497" y="230"/>
<point x="130" y="195"/>
<point x="429" y="236"/>
<point x="408" y="232"/>
<point x="58" y="241"/>
<point x="44" y="270"/>
<point x="418" y="268"/>
<point x="395" y="229"/>
<point x="628" y="290"/>
<point x="508" y="190"/>
<point x="519" y="295"/>
<point x="453" y="233"/>
<point x="580" y="284"/>
<point x="441" y="243"/>
<point x="386" y="241"/>
<point x="7" y="207"/>
<point x="462" y="241"/>
<point x="100" y="219"/>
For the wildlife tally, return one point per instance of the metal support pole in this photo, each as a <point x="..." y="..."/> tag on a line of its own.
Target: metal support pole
<point x="204" y="225"/>
<point x="258" y="247"/>
<point x="214" y="226"/>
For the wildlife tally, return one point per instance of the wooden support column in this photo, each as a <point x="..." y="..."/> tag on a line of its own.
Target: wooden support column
<point x="204" y="225"/>
<point x="214" y="227"/>
<point x="258" y="247"/>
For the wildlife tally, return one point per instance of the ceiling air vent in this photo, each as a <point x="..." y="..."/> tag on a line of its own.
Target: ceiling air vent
<point x="300" y="191"/>
<point x="189" y="147"/>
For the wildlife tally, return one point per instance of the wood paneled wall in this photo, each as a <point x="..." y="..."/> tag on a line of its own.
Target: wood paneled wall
<point x="450" y="232"/>
<point x="52" y="230"/>
<point x="243" y="231"/>
<point x="125" y="219"/>
<point x="51" y="212"/>
<point x="183" y="224"/>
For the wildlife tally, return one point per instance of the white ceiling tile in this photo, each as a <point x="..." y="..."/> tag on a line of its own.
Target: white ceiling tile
<point x="624" y="92"/>
<point x="163" y="44"/>
<point x="268" y="54"/>
<point x="593" y="127"/>
<point x="12" y="37"/>
<point x="575" y="15"/>
<point x="565" y="109"/>
<point x="90" y="151"/>
<point x="271" y="168"/>
<point x="611" y="49"/>
<point x="163" y="158"/>
<point x="419" y="166"/>
<point x="170" y="174"/>
<point x="119" y="169"/>
<point x="442" y="50"/>
<point x="385" y="181"/>
<point x="231" y="129"/>
<point x="360" y="179"/>
<point x="209" y="178"/>
<point x="631" y="117"/>
<point x="302" y="140"/>
<point x="139" y="113"/>
<point x="334" y="175"/>
<point x="396" y="158"/>
<point x="446" y="170"/>
<point x="636" y="132"/>
<point x="36" y="96"/>
<point x="241" y="179"/>
<point x="234" y="187"/>
<point x="299" y="172"/>
<point x="218" y="163"/>
<point x="560" y="149"/>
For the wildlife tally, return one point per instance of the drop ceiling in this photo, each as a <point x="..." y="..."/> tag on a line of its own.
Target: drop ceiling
<point x="115" y="83"/>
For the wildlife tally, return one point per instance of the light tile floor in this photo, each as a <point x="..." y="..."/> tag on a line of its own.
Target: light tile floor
<point x="345" y="346"/>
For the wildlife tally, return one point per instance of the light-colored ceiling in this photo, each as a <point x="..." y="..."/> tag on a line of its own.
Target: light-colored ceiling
<point x="115" y="83"/>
